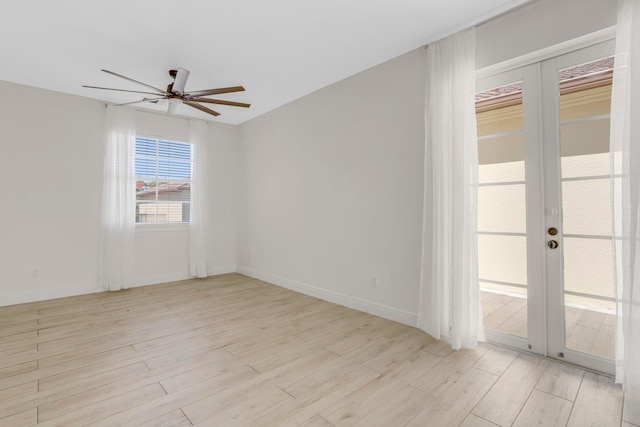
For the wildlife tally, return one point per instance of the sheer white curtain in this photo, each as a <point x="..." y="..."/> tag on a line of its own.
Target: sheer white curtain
<point x="118" y="199"/>
<point x="449" y="294"/>
<point x="625" y="149"/>
<point x="199" y="200"/>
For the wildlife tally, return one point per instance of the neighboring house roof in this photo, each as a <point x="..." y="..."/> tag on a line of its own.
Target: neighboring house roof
<point x="571" y="79"/>
<point x="142" y="191"/>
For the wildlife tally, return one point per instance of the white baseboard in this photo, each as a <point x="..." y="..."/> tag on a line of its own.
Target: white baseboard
<point x="221" y="269"/>
<point x="70" y="291"/>
<point x="46" y="294"/>
<point x="155" y="279"/>
<point x="370" y="307"/>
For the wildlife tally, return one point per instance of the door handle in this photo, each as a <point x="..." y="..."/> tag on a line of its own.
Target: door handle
<point x="552" y="244"/>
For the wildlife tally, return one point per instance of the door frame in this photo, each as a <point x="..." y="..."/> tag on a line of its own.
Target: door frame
<point x="545" y="291"/>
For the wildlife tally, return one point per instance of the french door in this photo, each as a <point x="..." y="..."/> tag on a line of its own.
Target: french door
<point x="544" y="217"/>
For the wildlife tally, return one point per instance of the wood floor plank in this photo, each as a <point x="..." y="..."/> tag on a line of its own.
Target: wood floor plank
<point x="50" y="365"/>
<point x="10" y="359"/>
<point x="241" y="408"/>
<point x="543" y="409"/>
<point x="22" y="391"/>
<point x="278" y="359"/>
<point x="23" y="419"/>
<point x="321" y="382"/>
<point x="448" y="370"/>
<point x="363" y="401"/>
<point x="453" y="405"/>
<point x="102" y="408"/>
<point x="561" y="380"/>
<point x="193" y="348"/>
<point x="19" y="390"/>
<point x="18" y="327"/>
<point x="89" y="377"/>
<point x="18" y="369"/>
<point x="599" y="402"/>
<point x="419" y="364"/>
<point x="399" y="409"/>
<point x="439" y="348"/>
<point x="87" y="396"/>
<point x="317" y="421"/>
<point x="172" y="419"/>
<point x="503" y="403"/>
<point x="496" y="360"/>
<point x="174" y="401"/>
<point x="72" y="320"/>
<point x="475" y="421"/>
<point x="399" y="356"/>
<point x="197" y="374"/>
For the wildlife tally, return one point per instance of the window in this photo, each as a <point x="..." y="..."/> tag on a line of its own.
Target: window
<point x="163" y="181"/>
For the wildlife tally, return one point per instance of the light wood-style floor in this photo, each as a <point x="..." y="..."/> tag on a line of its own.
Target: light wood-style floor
<point x="231" y="350"/>
<point x="586" y="330"/>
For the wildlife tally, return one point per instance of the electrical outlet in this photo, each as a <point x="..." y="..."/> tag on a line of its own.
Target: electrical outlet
<point x="374" y="282"/>
<point x="34" y="273"/>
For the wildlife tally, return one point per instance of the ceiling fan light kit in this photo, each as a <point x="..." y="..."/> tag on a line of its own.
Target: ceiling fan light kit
<point x="176" y="95"/>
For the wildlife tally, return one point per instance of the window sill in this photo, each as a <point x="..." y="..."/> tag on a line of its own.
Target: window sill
<point x="153" y="228"/>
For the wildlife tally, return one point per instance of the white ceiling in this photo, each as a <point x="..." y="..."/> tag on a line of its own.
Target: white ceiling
<point x="279" y="50"/>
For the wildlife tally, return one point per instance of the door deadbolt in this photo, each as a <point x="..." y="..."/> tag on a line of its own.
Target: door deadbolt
<point x="552" y="231"/>
<point x="552" y="244"/>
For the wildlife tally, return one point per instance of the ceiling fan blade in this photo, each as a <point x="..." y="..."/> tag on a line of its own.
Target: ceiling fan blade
<point x="121" y="90"/>
<point x="197" y="93"/>
<point x="202" y="108"/>
<point x="142" y="100"/>
<point x="180" y="80"/>
<point x="134" y="81"/>
<point x="221" y="102"/>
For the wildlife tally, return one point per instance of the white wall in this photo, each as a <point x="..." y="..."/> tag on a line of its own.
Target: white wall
<point x="331" y="194"/>
<point x="51" y="177"/>
<point x="541" y="24"/>
<point x="51" y="163"/>
<point x="223" y="180"/>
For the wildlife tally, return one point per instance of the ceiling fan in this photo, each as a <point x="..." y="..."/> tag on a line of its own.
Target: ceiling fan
<point x="175" y="93"/>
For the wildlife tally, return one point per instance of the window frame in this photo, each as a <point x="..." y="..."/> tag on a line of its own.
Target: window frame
<point x="157" y="157"/>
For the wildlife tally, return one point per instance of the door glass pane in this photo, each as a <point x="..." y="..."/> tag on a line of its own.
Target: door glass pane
<point x="587" y="207"/>
<point x="585" y="98"/>
<point x="503" y="259"/>
<point x="502" y="251"/>
<point x="501" y="208"/>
